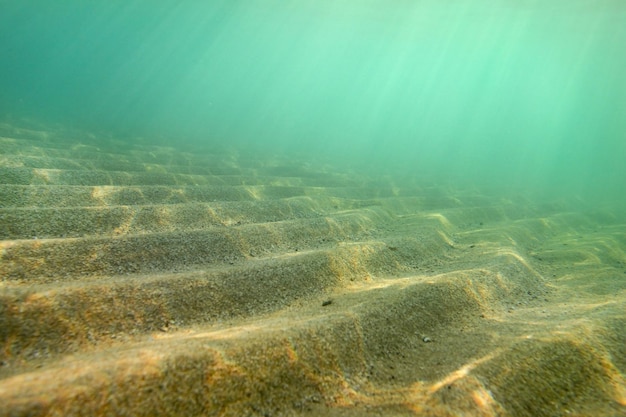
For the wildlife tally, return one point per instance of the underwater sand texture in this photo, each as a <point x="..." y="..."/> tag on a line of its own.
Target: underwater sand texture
<point x="141" y="280"/>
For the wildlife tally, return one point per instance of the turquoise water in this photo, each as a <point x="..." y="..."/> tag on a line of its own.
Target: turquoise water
<point x="524" y="94"/>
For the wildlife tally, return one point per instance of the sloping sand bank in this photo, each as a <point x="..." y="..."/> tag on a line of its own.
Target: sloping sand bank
<point x="141" y="280"/>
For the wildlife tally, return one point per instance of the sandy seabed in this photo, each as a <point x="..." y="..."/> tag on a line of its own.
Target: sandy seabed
<point x="141" y="280"/>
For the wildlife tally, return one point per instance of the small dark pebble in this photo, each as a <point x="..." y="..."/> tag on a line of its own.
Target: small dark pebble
<point x="326" y="303"/>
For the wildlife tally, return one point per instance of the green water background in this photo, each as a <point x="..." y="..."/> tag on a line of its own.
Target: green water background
<point x="527" y="95"/>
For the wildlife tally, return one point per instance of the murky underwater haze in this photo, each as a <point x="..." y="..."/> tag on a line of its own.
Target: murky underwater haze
<point x="528" y="95"/>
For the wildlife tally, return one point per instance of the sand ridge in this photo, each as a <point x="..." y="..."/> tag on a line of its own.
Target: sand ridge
<point x="144" y="280"/>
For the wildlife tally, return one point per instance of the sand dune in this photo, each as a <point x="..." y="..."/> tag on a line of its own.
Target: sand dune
<point x="142" y="280"/>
